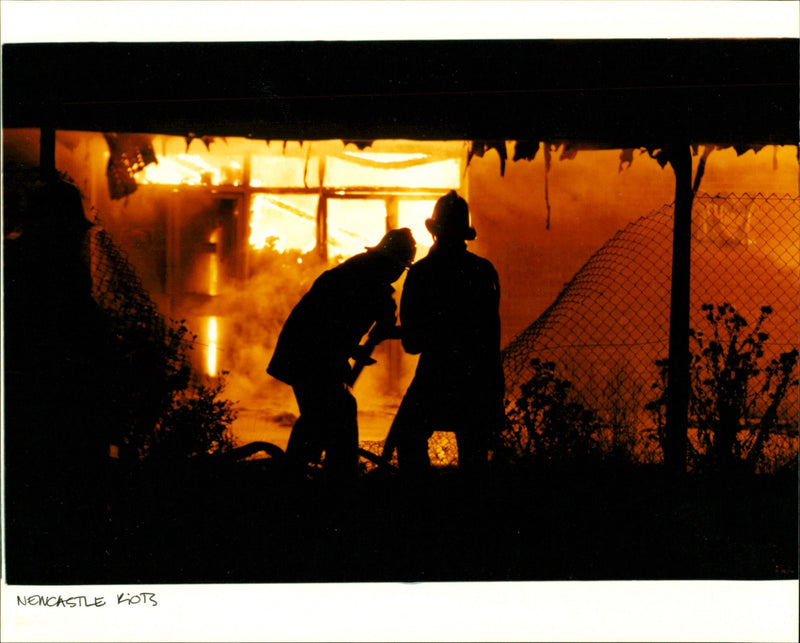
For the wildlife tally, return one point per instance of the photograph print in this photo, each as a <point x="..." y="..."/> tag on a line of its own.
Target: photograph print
<point x="406" y="311"/>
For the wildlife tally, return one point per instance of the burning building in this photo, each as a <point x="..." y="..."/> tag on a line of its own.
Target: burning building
<point x="230" y="196"/>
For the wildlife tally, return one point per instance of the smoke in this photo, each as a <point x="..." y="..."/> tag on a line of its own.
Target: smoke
<point x="250" y="317"/>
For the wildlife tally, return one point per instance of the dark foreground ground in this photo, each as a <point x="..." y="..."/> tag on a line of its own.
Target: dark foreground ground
<point x="244" y="522"/>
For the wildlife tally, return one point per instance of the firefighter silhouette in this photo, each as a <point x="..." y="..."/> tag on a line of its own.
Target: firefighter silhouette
<point x="320" y="336"/>
<point x="449" y="316"/>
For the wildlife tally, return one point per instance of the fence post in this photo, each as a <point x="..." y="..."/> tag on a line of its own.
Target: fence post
<point x="47" y="153"/>
<point x="678" y="384"/>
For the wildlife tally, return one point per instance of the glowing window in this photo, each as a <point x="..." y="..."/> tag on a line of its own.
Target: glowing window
<point x="285" y="222"/>
<point x="354" y="224"/>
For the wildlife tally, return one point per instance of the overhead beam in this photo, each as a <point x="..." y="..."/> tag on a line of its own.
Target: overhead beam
<point x="618" y="93"/>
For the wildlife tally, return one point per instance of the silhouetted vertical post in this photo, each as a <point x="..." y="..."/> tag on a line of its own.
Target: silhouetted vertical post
<point x="47" y="153"/>
<point x="173" y="264"/>
<point x="243" y="252"/>
<point x="322" y="213"/>
<point x="678" y="385"/>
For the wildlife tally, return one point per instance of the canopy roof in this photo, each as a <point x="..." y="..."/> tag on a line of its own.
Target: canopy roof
<point x="597" y="93"/>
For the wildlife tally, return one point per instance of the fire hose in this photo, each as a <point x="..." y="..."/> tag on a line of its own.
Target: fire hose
<point x="362" y="358"/>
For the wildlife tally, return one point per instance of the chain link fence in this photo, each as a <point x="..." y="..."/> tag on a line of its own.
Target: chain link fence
<point x="134" y="316"/>
<point x="148" y="366"/>
<point x="602" y="336"/>
<point x="118" y="290"/>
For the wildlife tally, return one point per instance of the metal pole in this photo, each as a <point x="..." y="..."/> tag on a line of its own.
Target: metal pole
<point x="678" y="385"/>
<point x="322" y="213"/>
<point x="47" y="153"/>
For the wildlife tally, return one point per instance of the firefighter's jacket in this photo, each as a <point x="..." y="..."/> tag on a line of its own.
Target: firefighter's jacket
<point x="449" y="313"/>
<point x="325" y="328"/>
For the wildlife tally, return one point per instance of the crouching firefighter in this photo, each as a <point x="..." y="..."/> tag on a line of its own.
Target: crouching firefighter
<point x="322" y="333"/>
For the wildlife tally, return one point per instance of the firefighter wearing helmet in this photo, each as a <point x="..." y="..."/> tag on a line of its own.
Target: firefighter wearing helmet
<point x="449" y="313"/>
<point x="322" y="333"/>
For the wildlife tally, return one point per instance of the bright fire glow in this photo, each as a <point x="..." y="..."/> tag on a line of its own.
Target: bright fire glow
<point x="213" y="338"/>
<point x="412" y="214"/>
<point x="354" y="225"/>
<point x="341" y="172"/>
<point x="386" y="157"/>
<point x="213" y="268"/>
<point x="191" y="169"/>
<point x="285" y="222"/>
<point x="289" y="222"/>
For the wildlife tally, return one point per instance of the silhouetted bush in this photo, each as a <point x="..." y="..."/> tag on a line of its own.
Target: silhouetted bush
<point x="164" y="408"/>
<point x="157" y="405"/>
<point x="736" y="393"/>
<point x="547" y="424"/>
<point x="196" y="422"/>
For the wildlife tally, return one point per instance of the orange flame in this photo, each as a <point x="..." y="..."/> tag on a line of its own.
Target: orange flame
<point x="211" y="356"/>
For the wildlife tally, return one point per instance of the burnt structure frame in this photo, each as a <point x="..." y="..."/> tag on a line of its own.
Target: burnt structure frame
<point x="661" y="94"/>
<point x="244" y="192"/>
